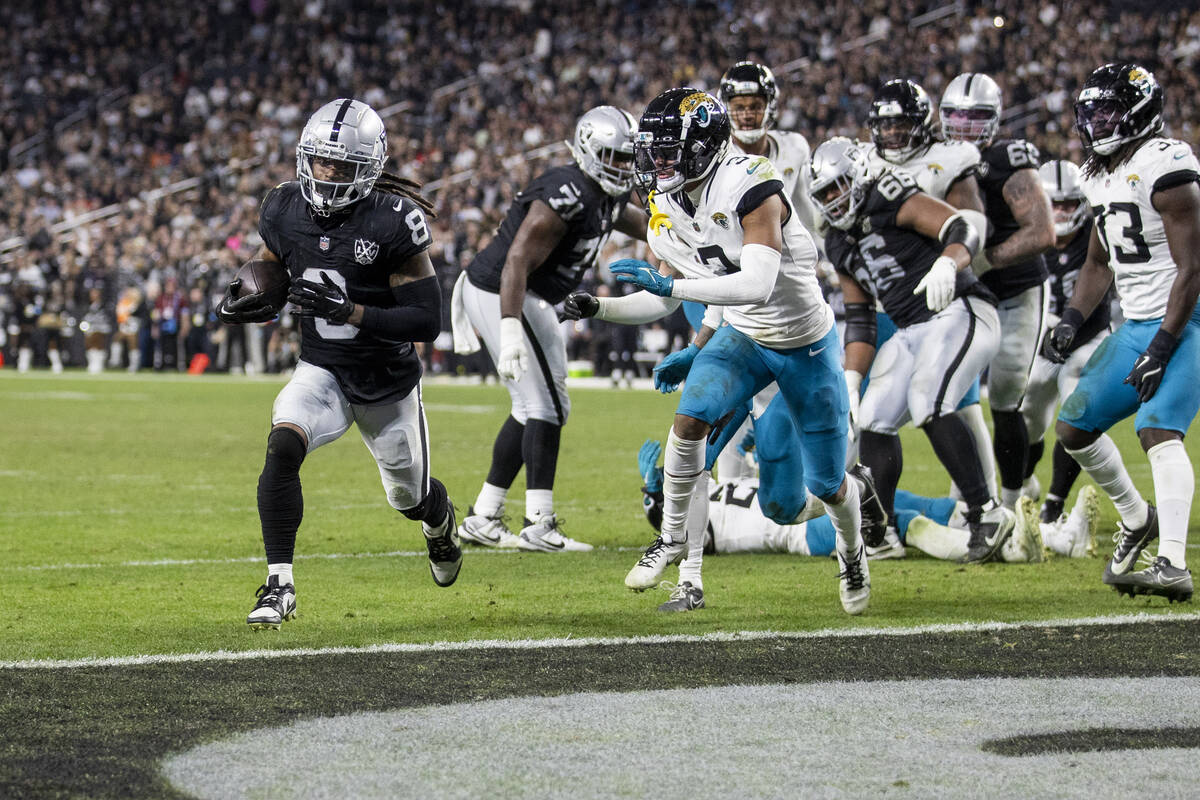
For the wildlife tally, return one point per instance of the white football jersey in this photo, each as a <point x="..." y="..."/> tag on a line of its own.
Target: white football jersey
<point x="1132" y="230"/>
<point x="791" y="155"/>
<point x="706" y="240"/>
<point x="737" y="523"/>
<point x="935" y="170"/>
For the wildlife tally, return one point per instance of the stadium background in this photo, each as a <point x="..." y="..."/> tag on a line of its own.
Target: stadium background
<point x="136" y="140"/>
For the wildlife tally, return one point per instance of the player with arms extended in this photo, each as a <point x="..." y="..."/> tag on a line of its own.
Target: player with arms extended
<point x="1021" y="227"/>
<point x="729" y="237"/>
<point x="550" y="237"/>
<point x="355" y="242"/>
<point x="1142" y="188"/>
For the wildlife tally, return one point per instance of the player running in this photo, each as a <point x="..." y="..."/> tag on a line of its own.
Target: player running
<point x="1142" y="188"/>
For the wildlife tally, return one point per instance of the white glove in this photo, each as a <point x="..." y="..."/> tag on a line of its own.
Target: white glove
<point x="514" y="355"/>
<point x="853" y="382"/>
<point x="938" y="283"/>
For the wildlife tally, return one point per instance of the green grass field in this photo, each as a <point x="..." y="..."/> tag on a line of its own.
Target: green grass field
<point x="129" y="528"/>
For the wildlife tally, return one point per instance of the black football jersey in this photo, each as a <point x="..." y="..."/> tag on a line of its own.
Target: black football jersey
<point x="1064" y="270"/>
<point x="358" y="248"/>
<point x="888" y="261"/>
<point x="998" y="162"/>
<point x="589" y="214"/>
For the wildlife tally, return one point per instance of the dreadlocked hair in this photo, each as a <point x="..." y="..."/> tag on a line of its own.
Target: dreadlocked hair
<point x="394" y="184"/>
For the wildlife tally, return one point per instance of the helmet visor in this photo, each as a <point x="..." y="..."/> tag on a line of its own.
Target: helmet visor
<point x="658" y="164"/>
<point x="1099" y="118"/>
<point x="892" y="133"/>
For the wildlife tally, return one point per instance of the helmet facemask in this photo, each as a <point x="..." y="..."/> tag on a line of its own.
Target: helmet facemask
<point x="330" y="184"/>
<point x="897" y="137"/>
<point x="681" y="138"/>
<point x="1119" y="104"/>
<point x="340" y="155"/>
<point x="1069" y="215"/>
<point x="603" y="148"/>
<point x="975" y="125"/>
<point x="1100" y="123"/>
<point x="749" y="79"/>
<point x="837" y="186"/>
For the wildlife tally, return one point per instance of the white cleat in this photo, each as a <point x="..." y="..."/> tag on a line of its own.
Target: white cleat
<point x="487" y="531"/>
<point x="1032" y="488"/>
<point x="544" y="536"/>
<point x="649" y="568"/>
<point x="892" y="547"/>
<point x="1025" y="544"/>
<point x="854" y="581"/>
<point x="1083" y="522"/>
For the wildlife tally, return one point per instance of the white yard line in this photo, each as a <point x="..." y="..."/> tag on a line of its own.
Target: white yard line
<point x="545" y="644"/>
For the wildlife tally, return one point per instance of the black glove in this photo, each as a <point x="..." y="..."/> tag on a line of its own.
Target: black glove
<point x="577" y="306"/>
<point x="1059" y="341"/>
<point x="325" y="299"/>
<point x="234" y="310"/>
<point x="1147" y="372"/>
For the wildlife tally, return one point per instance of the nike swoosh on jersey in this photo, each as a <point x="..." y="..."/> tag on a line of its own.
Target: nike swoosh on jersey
<point x="1179" y="156"/>
<point x="750" y="170"/>
<point x="817" y="351"/>
<point x="399" y="205"/>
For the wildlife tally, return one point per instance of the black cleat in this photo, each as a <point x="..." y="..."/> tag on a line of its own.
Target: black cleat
<point x="1161" y="578"/>
<point x="988" y="535"/>
<point x="275" y="605"/>
<point x="874" y="518"/>
<point x="1130" y="544"/>
<point x="684" y="597"/>
<point x="445" y="553"/>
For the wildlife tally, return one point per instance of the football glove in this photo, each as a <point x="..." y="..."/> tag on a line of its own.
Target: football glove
<point x="578" y="305"/>
<point x="514" y="355"/>
<point x="1147" y="372"/>
<point x="325" y="299"/>
<point x="938" y="283"/>
<point x="674" y="368"/>
<point x="652" y="474"/>
<point x="640" y="273"/>
<point x="1058" y="342"/>
<point x="234" y="310"/>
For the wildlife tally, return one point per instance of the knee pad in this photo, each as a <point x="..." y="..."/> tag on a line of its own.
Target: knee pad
<point x="432" y="509"/>
<point x="285" y="450"/>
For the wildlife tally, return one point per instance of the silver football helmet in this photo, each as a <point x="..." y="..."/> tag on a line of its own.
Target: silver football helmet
<point x="603" y="147"/>
<point x="1060" y="179"/>
<point x="340" y="154"/>
<point x="970" y="109"/>
<point x="840" y="175"/>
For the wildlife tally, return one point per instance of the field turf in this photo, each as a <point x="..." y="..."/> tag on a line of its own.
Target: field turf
<point x="128" y="527"/>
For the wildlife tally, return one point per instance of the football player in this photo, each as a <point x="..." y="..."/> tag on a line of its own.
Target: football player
<point x="1052" y="379"/>
<point x="1142" y="189"/>
<point x="902" y="140"/>
<point x="1020" y="229"/>
<point x="728" y="236"/>
<point x="893" y="244"/>
<point x="553" y="231"/>
<point x="355" y="242"/>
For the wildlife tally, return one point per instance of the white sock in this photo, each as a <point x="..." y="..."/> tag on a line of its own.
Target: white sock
<point x="683" y="464"/>
<point x="24" y="359"/>
<point x="1103" y="462"/>
<point x="846" y="517"/>
<point x="284" y="571"/>
<point x="1174" y="483"/>
<point x="813" y="508"/>
<point x="1009" y="497"/>
<point x="55" y="361"/>
<point x="539" y="503"/>
<point x="697" y="521"/>
<point x="939" y="541"/>
<point x="490" y="501"/>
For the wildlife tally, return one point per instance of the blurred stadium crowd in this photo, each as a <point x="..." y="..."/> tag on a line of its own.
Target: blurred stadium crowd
<point x="136" y="139"/>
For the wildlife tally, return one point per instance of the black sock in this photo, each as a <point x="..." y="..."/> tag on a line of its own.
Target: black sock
<point x="955" y="448"/>
<point x="1011" y="446"/>
<point x="540" y="448"/>
<point x="1036" y="450"/>
<point x="882" y="454"/>
<point x="432" y="509"/>
<point x="1066" y="470"/>
<point x="506" y="454"/>
<point x="280" y="501"/>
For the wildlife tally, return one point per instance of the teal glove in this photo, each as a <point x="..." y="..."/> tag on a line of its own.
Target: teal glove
<point x="674" y="368"/>
<point x="652" y="474"/>
<point x="640" y="273"/>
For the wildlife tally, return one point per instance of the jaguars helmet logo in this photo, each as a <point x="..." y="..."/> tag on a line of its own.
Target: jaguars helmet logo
<point x="1141" y="79"/>
<point x="721" y="220"/>
<point x="1133" y="179"/>
<point x="697" y="107"/>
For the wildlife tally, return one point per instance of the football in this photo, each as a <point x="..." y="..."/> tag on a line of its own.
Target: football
<point x="268" y="278"/>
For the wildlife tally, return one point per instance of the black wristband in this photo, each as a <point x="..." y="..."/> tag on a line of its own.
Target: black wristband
<point x="1072" y="317"/>
<point x="1162" y="346"/>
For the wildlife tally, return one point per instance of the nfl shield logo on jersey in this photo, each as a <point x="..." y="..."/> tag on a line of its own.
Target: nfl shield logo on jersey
<point x="364" y="251"/>
<point x="324" y="243"/>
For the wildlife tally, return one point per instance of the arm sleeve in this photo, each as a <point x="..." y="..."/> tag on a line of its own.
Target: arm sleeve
<point x="752" y="284"/>
<point x="635" y="309"/>
<point x="416" y="317"/>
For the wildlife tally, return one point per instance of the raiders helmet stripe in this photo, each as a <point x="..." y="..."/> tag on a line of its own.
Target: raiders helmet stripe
<point x="337" y="122"/>
<point x="970" y="79"/>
